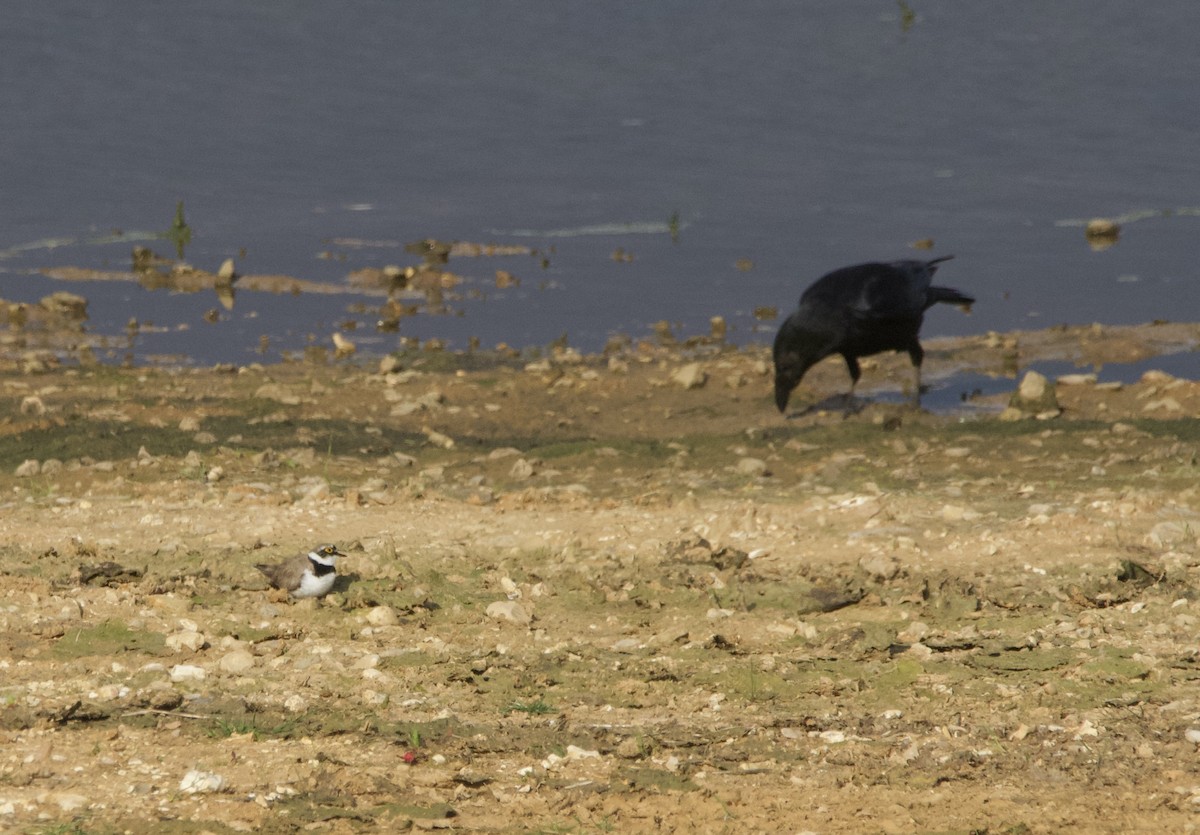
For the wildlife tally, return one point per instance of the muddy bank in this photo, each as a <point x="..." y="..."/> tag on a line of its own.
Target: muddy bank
<point x="598" y="594"/>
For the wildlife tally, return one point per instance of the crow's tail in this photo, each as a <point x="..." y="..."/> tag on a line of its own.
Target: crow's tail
<point x="948" y="295"/>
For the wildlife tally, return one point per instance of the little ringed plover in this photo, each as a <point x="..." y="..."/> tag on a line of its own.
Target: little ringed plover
<point x="305" y="575"/>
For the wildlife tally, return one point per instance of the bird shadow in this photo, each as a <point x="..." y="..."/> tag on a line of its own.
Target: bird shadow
<point x="343" y="581"/>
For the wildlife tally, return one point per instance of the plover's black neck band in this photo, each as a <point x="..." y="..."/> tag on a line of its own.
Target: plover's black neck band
<point x="321" y="568"/>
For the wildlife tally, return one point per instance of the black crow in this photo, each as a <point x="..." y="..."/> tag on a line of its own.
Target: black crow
<point x="858" y="311"/>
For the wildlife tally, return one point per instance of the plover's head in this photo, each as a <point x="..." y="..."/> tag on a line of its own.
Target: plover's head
<point x="325" y="554"/>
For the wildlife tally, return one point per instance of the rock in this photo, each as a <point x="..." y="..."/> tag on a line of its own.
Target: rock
<point x="1166" y="404"/>
<point x="68" y="802"/>
<point x="189" y="424"/>
<point x="717" y="328"/>
<point x="170" y="604"/>
<point x="29" y="467"/>
<point x="881" y="568"/>
<point x="1033" y="386"/>
<point x="67" y="305"/>
<point x="631" y="748"/>
<point x="342" y="347"/>
<point x="690" y="376"/>
<point x="382" y="616"/>
<point x="33" y="405"/>
<point x="201" y="782"/>
<point x="1101" y="232"/>
<point x="438" y="439"/>
<point x="187" y="672"/>
<point x="278" y="393"/>
<point x="752" y="467"/>
<point x="521" y="470"/>
<point x="237" y="662"/>
<point x="1035" y="396"/>
<point x="188" y="640"/>
<point x="389" y="364"/>
<point x="509" y="610"/>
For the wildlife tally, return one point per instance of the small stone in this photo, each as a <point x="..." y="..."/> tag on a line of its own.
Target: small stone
<point x="236" y="662"/>
<point x="69" y="802"/>
<point x="1156" y="377"/>
<point x="189" y="424"/>
<point x="342" y="347"/>
<point x="170" y="604"/>
<point x="29" y="467"/>
<point x="277" y="392"/>
<point x="67" y="305"/>
<point x="438" y="439"/>
<point x="382" y="616"/>
<point x="631" y="748"/>
<point x="957" y="513"/>
<point x="1033" y="386"/>
<point x="690" y="376"/>
<point x="1192" y="735"/>
<point x="509" y="610"/>
<point x="521" y="470"/>
<point x="1166" y="404"/>
<point x="188" y="640"/>
<point x="752" y="467"/>
<point x="214" y="475"/>
<point x="389" y="364"/>
<point x="201" y="782"/>
<point x="187" y="672"/>
<point x="33" y="405"/>
<point x="1035" y="396"/>
<point x="881" y="568"/>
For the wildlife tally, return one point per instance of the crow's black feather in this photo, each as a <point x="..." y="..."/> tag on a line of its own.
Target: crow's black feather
<point x="858" y="311"/>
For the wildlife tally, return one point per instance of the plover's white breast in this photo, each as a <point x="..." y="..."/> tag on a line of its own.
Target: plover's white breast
<point x="313" y="586"/>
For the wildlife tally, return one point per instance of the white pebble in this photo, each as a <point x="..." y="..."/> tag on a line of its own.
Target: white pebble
<point x="509" y="610"/>
<point x="187" y="672"/>
<point x="201" y="782"/>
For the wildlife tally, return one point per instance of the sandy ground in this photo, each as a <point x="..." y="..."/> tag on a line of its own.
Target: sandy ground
<point x="582" y="596"/>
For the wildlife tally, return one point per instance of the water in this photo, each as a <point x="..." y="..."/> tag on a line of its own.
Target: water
<point x="799" y="136"/>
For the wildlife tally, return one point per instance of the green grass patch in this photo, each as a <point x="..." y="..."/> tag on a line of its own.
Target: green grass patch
<point x="111" y="637"/>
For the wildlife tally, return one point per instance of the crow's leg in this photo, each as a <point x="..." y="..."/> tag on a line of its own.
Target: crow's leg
<point x="855" y="372"/>
<point x="917" y="354"/>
